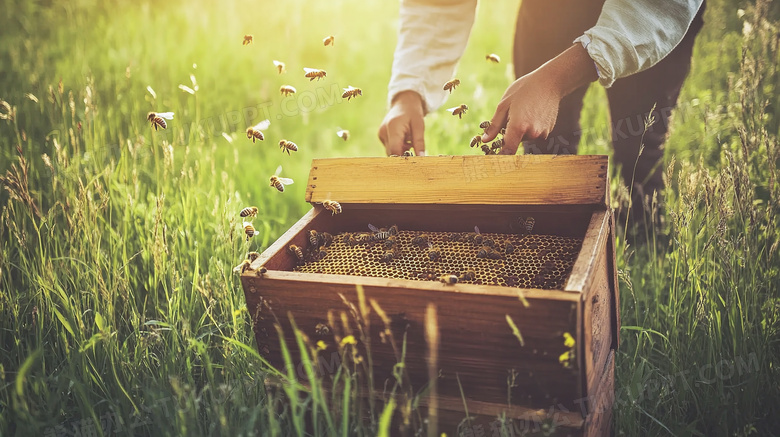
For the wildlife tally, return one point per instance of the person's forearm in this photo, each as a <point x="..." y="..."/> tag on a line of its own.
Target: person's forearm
<point x="570" y="70"/>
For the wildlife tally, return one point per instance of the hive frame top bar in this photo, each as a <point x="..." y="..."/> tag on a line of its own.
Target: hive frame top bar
<point x="496" y="180"/>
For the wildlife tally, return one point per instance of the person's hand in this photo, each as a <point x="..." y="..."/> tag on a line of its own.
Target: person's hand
<point x="404" y="125"/>
<point x="528" y="109"/>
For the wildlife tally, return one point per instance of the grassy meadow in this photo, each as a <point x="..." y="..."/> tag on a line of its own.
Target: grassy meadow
<point x="119" y="310"/>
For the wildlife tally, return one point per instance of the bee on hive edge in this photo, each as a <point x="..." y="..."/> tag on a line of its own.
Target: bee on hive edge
<point x="343" y="134"/>
<point x="484" y="125"/>
<point x="313" y="73"/>
<point x="497" y="145"/>
<point x="351" y="92"/>
<point x="297" y="252"/>
<point x="243" y="267"/>
<point x="158" y="119"/>
<point x="280" y="67"/>
<point x="434" y="253"/>
<point x="248" y="212"/>
<point x="286" y="90"/>
<point x="494" y="58"/>
<point x="314" y="238"/>
<point x="261" y="271"/>
<point x="476" y="140"/>
<point x="250" y="230"/>
<point x="421" y="240"/>
<point x="254" y="132"/>
<point x="322" y="329"/>
<point x="252" y="256"/>
<point x="278" y="182"/>
<point x="332" y="206"/>
<point x="451" y="85"/>
<point x="458" y="110"/>
<point x="487" y="150"/>
<point x="408" y="153"/>
<point x="247" y="40"/>
<point x="449" y="279"/>
<point x="287" y="146"/>
<point x="329" y="40"/>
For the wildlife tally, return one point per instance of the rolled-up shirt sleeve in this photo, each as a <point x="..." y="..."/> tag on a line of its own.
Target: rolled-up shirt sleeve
<point x="631" y="36"/>
<point x="432" y="37"/>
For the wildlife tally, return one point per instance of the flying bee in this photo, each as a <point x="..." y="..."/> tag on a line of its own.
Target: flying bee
<point x="421" y="240"/>
<point x="458" y="110"/>
<point x="484" y="125"/>
<point x="297" y="252"/>
<point x="313" y="73"/>
<point x="325" y="239"/>
<point x="449" y="279"/>
<point x="314" y="238"/>
<point x="322" y="329"/>
<point x="390" y="242"/>
<point x="286" y="90"/>
<point x="252" y="256"/>
<point x="351" y="92"/>
<point x="329" y="40"/>
<point x="250" y="230"/>
<point x="468" y="275"/>
<point x="477" y="236"/>
<point x="254" y="132"/>
<point x="248" y="212"/>
<point x="288" y="146"/>
<point x="379" y="234"/>
<point x="332" y="206"/>
<point x="476" y="140"/>
<point x="278" y="182"/>
<point x="509" y="247"/>
<point x="526" y="223"/>
<point x="434" y="253"/>
<point x="241" y="268"/>
<point x="158" y="119"/>
<point x="494" y="58"/>
<point x="280" y="67"/>
<point x="487" y="150"/>
<point x="343" y="134"/>
<point x="451" y="84"/>
<point x="247" y="40"/>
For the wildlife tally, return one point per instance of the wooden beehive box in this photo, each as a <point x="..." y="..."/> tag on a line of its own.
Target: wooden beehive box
<point x="479" y="356"/>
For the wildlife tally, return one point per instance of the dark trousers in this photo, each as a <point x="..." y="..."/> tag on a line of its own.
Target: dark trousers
<point x="538" y="38"/>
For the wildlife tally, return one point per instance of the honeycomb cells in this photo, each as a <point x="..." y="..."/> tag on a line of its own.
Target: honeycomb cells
<point x="533" y="261"/>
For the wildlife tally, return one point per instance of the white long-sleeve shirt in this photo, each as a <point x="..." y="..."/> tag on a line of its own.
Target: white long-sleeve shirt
<point x="629" y="36"/>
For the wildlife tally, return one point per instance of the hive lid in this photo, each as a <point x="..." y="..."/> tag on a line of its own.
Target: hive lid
<point x="504" y="180"/>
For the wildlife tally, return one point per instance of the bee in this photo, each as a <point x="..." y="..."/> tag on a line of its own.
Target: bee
<point x="489" y="242"/>
<point x="421" y="240"/>
<point x="322" y="252"/>
<point x="477" y="236"/>
<point x="278" y="182"/>
<point x="434" y="253"/>
<point x="326" y="239"/>
<point x="313" y="73"/>
<point x="254" y="132"/>
<point x="252" y="256"/>
<point x="329" y="40"/>
<point x="248" y="212"/>
<point x="388" y="256"/>
<point x="494" y="254"/>
<point x="455" y="236"/>
<point x="484" y="125"/>
<point x="351" y="92"/>
<point x="390" y="242"/>
<point x="286" y="90"/>
<point x="158" y="119"/>
<point x="365" y="237"/>
<point x="449" y="279"/>
<point x="287" y="146"/>
<point x="502" y="131"/>
<point x="393" y="230"/>
<point x="427" y="276"/>
<point x="484" y="251"/>
<point x="247" y="40"/>
<point x="332" y="206"/>
<point x="314" y="238"/>
<point x="450" y="85"/>
<point x="526" y="223"/>
<point x="487" y="150"/>
<point x="352" y="241"/>
<point x="297" y="252"/>
<point x="408" y="153"/>
<point x="468" y="275"/>
<point x="494" y="58"/>
<point x="497" y="145"/>
<point x="343" y="134"/>
<point x="458" y="110"/>
<point x="476" y="140"/>
<point x="241" y="268"/>
<point x="280" y="67"/>
<point x="322" y="329"/>
<point x="379" y="234"/>
<point x="261" y="271"/>
<point x="538" y="280"/>
<point x="250" y="230"/>
<point x="509" y="247"/>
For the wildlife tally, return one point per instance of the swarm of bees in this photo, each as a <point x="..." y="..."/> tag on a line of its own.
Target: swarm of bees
<point x="458" y="110"/>
<point x="158" y="119"/>
<point x="451" y="84"/>
<point x="287" y="90"/>
<point x="488" y="149"/>
<point x="351" y="92"/>
<point x="247" y="40"/>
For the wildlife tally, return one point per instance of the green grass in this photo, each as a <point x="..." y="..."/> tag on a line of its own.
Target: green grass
<point x="117" y="299"/>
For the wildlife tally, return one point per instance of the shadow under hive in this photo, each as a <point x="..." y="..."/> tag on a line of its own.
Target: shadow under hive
<point x="538" y="261"/>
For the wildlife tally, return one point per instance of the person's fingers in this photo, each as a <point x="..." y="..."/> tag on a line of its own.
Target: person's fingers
<point x="514" y="135"/>
<point x="382" y="134"/>
<point x="396" y="132"/>
<point x="496" y="123"/>
<point x="418" y="135"/>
